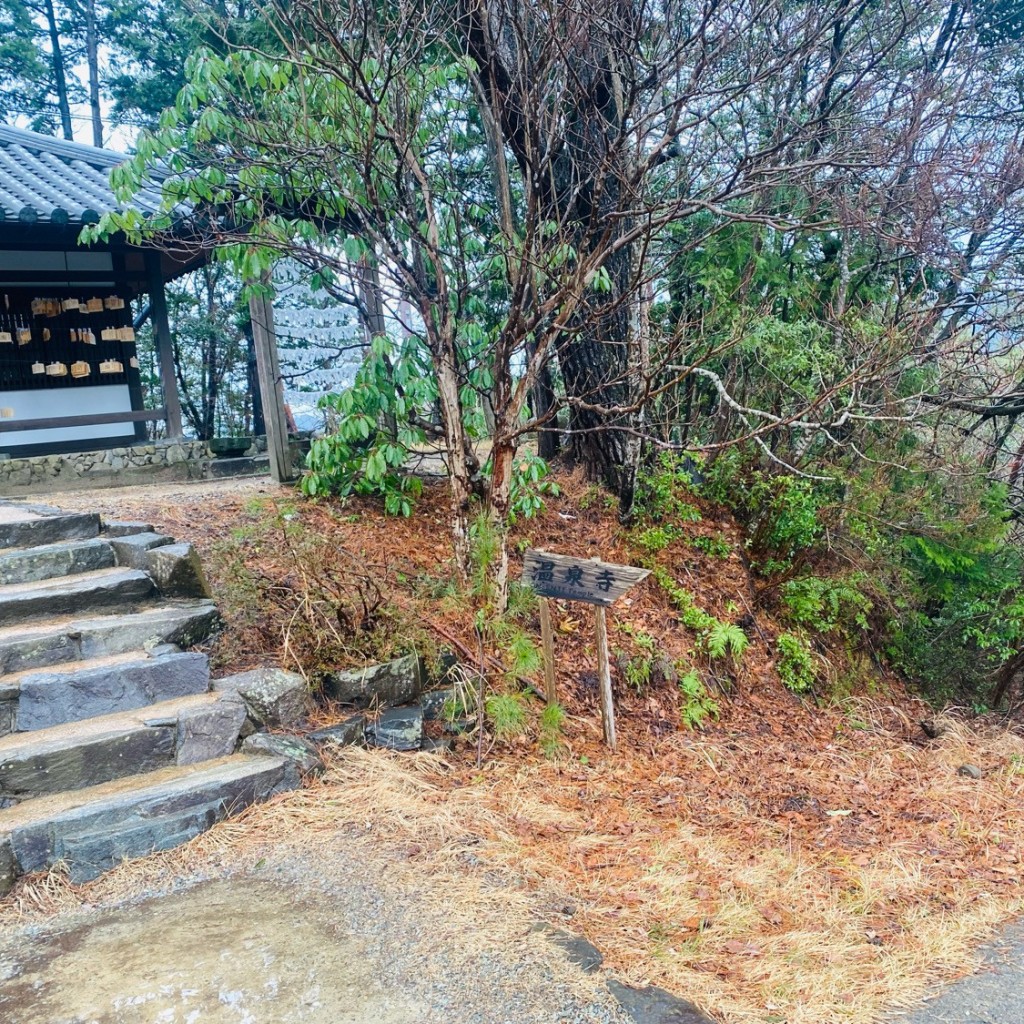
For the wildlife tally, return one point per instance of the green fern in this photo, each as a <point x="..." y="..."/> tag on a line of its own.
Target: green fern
<point x="726" y="638"/>
<point x="697" y="704"/>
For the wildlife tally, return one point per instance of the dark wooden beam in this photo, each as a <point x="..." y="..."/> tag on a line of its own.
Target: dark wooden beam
<point x="162" y="331"/>
<point x="56" y="422"/>
<point x="264" y="337"/>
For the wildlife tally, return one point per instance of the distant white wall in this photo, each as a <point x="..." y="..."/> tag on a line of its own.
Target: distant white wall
<point x="67" y="401"/>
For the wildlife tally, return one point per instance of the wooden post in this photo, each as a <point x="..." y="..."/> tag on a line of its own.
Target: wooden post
<point x="162" y="331"/>
<point x="549" y="650"/>
<point x="604" y="677"/>
<point x="261" y="312"/>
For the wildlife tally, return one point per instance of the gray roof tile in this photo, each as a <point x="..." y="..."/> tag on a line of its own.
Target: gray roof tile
<point x="44" y="180"/>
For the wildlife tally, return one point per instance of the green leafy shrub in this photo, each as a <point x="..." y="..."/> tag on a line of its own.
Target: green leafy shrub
<point x="782" y="513"/>
<point x="654" y="539"/>
<point x="795" y="663"/>
<point x="715" y="546"/>
<point x="529" y="486"/>
<point x="661" y="491"/>
<point x="364" y="455"/>
<point x="827" y="603"/>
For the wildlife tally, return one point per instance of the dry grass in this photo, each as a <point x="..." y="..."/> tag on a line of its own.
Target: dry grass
<point x="683" y="875"/>
<point x="794" y="864"/>
<point x="691" y="869"/>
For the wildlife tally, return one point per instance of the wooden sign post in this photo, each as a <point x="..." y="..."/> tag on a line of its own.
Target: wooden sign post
<point x="580" y="579"/>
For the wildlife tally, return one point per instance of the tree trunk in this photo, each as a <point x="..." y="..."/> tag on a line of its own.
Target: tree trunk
<point x="211" y="368"/>
<point x="461" y="465"/>
<point x="93" y="61"/>
<point x="371" y="303"/>
<point x="543" y="399"/>
<point x="581" y="189"/>
<point x="59" y="75"/>
<point x="596" y="372"/>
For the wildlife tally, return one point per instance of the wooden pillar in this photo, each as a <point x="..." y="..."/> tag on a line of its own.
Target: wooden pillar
<point x="162" y="332"/>
<point x="604" y="677"/>
<point x="548" y="638"/>
<point x="261" y="312"/>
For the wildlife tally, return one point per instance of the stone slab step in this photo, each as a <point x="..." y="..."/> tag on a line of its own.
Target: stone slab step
<point x="92" y="830"/>
<point x="124" y="528"/>
<point x="30" y="565"/>
<point x="79" y="690"/>
<point x="81" y="754"/>
<point x="78" y="638"/>
<point x="33" y="525"/>
<point x="97" y="591"/>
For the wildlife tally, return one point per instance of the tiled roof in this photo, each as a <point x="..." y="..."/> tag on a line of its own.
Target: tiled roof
<point x="44" y="180"/>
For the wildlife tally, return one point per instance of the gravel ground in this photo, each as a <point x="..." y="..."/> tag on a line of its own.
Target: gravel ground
<point x="117" y="502"/>
<point x="288" y="941"/>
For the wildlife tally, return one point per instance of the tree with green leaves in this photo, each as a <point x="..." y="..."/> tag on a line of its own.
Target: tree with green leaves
<point x="23" y="68"/>
<point x="535" y="180"/>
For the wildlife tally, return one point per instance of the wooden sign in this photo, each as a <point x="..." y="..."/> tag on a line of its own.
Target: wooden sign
<point x="579" y="579"/>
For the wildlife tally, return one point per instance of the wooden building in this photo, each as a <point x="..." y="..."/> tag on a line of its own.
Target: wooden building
<point x="69" y="375"/>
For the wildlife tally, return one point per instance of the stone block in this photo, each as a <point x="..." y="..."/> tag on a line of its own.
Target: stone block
<point x="578" y="950"/>
<point x="50" y="527"/>
<point x="275" y="698"/>
<point x="351" y="732"/>
<point x="37" y="769"/>
<point x="300" y="752"/>
<point x="118" y="590"/>
<point x="8" y="866"/>
<point x="394" y="682"/>
<point x="132" y="549"/>
<point x="8" y="716"/>
<point x="652" y="1005"/>
<point x="52" y="698"/>
<point x="43" y="563"/>
<point x="397" y="729"/>
<point x="208" y="732"/>
<point x="131" y="821"/>
<point x="434" y="702"/>
<point x="176" y="571"/>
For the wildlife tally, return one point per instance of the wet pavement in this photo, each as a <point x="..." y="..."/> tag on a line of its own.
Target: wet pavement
<point x="995" y="995"/>
<point x="227" y="952"/>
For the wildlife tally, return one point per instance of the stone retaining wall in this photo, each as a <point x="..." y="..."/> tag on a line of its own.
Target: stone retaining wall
<point x="155" y="462"/>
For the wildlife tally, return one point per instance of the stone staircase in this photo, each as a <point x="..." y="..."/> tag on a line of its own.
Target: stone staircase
<point x="113" y="741"/>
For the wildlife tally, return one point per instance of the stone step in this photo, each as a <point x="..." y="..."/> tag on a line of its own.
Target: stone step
<point x="96" y="591"/>
<point x="30" y="565"/>
<point x="92" y="830"/>
<point x="81" y="754"/>
<point x="87" y="689"/>
<point x="23" y="526"/>
<point x="79" y="638"/>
